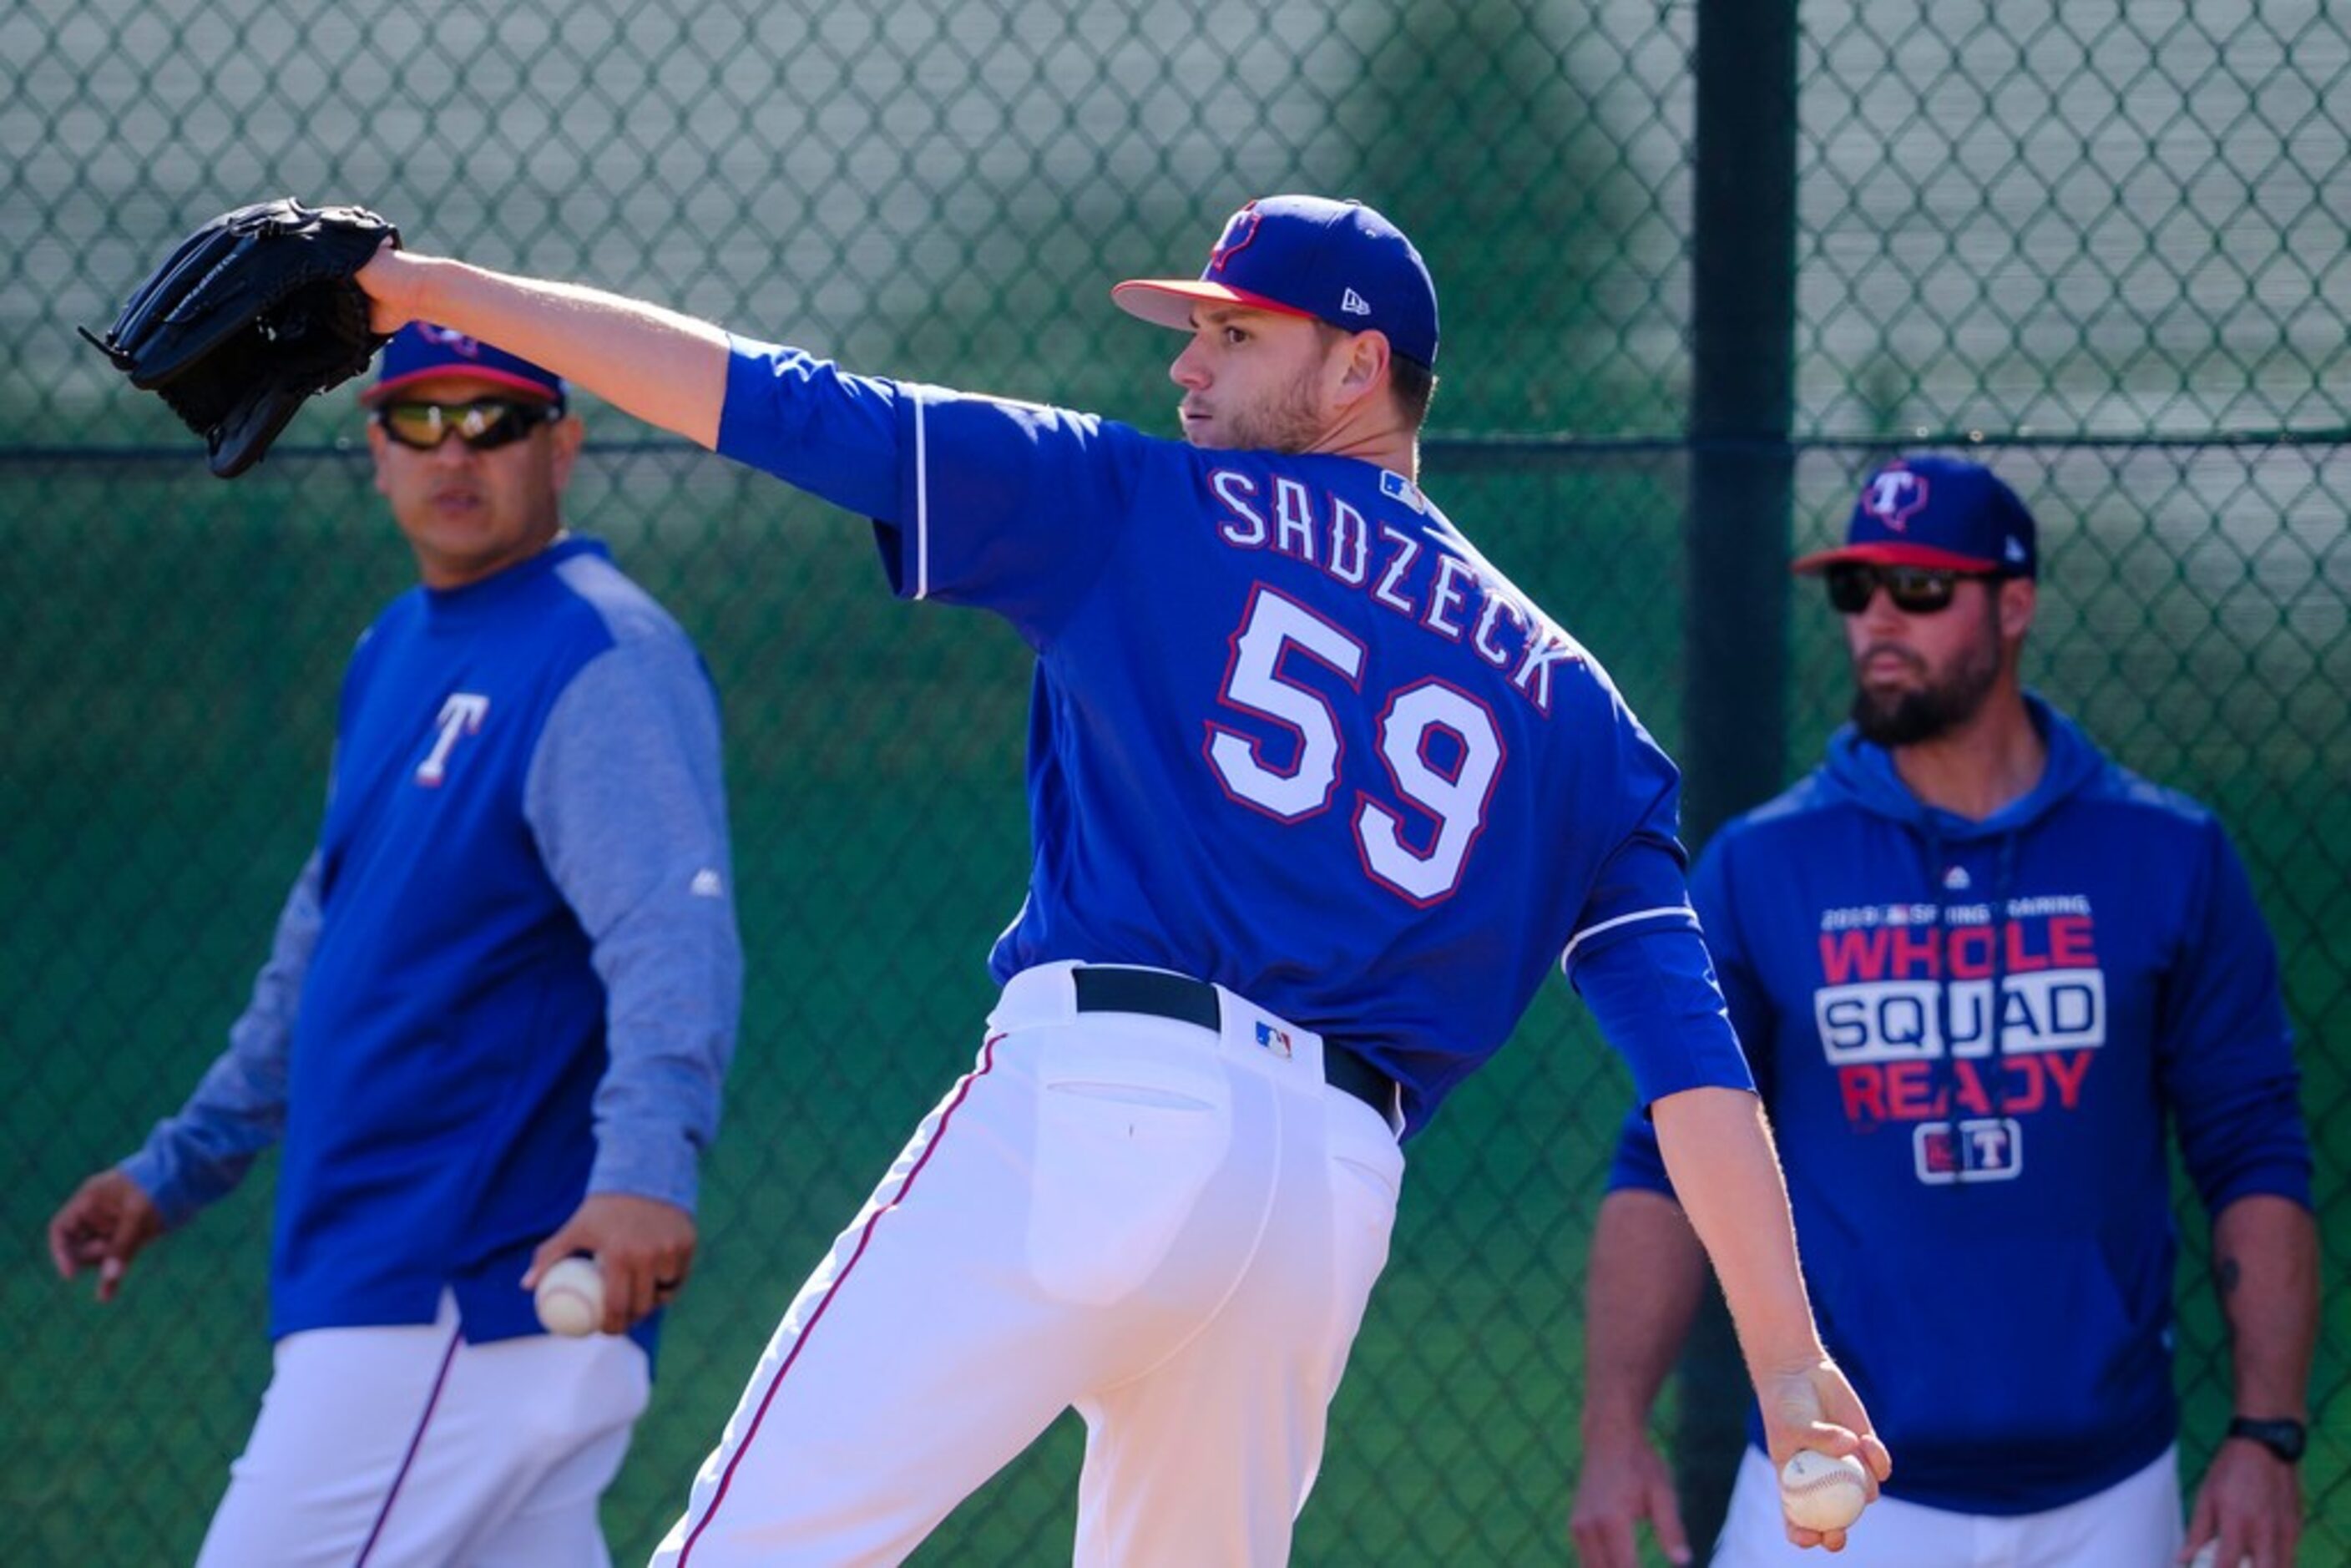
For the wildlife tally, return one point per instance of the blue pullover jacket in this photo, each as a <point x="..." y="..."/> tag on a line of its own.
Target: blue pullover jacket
<point x="509" y="978"/>
<point x="1970" y="1036"/>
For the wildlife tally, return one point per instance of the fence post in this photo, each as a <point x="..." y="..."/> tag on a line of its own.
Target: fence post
<point x="1742" y="481"/>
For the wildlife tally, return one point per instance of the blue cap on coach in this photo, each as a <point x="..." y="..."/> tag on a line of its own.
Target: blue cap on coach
<point x="421" y="348"/>
<point x="1937" y="512"/>
<point x="1338" y="262"/>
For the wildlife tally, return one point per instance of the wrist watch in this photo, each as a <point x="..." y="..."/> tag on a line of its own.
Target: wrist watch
<point x="2283" y="1437"/>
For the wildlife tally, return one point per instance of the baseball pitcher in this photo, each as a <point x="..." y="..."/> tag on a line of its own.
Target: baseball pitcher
<point x="1318" y="798"/>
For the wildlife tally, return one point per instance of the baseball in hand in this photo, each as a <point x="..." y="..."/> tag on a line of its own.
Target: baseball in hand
<point x="570" y="1297"/>
<point x="2210" y="1557"/>
<point x="1819" y="1491"/>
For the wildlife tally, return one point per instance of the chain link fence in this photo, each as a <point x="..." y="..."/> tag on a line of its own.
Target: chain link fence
<point x="2103" y="242"/>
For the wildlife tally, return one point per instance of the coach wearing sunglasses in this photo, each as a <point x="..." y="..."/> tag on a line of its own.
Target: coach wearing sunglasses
<point x="492" y="1029"/>
<point x="1976" y="967"/>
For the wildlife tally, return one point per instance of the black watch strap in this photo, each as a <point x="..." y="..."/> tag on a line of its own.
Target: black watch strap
<point x="2283" y="1437"/>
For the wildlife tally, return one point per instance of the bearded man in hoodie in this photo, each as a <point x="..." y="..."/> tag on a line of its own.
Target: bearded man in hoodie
<point x="1975" y="967"/>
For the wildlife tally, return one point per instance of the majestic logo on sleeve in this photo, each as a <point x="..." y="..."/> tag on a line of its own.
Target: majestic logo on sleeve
<point x="1960" y="1025"/>
<point x="461" y="715"/>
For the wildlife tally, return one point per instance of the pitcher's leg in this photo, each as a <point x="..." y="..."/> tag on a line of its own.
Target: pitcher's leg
<point x="1208" y="1457"/>
<point x="914" y="1364"/>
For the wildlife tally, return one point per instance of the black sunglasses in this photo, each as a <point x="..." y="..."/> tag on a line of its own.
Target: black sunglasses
<point x="483" y="424"/>
<point x="1915" y="590"/>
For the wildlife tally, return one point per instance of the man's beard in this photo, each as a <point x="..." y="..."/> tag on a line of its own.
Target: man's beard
<point x="1292" y="423"/>
<point x="1934" y="708"/>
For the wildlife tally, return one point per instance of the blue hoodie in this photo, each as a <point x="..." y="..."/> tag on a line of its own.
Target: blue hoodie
<point x="1986" y="1230"/>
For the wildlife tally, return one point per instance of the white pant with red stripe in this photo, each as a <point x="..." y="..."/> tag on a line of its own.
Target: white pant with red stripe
<point x="407" y="1448"/>
<point x="1171" y="1229"/>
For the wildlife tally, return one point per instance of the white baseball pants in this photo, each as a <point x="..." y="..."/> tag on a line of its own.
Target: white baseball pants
<point x="1170" y="1227"/>
<point x="2133" y="1523"/>
<point x="407" y="1448"/>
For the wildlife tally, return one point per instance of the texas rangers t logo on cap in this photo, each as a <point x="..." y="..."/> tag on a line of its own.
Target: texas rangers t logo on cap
<point x="1944" y="514"/>
<point x="1330" y="261"/>
<point x="1238" y="231"/>
<point x="449" y="338"/>
<point x="423" y="350"/>
<point x="1895" y="496"/>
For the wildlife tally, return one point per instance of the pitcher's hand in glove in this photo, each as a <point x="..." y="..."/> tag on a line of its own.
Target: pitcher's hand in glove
<point x="254" y="312"/>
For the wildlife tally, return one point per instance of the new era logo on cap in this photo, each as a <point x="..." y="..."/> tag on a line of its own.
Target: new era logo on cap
<point x="1942" y="512"/>
<point x="1338" y="262"/>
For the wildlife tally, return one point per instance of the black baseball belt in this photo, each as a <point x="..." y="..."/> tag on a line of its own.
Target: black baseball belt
<point x="1106" y="988"/>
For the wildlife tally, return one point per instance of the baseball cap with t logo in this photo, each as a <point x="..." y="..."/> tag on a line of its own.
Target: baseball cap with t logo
<point x="1337" y="262"/>
<point x="1940" y="513"/>
<point x="422" y="349"/>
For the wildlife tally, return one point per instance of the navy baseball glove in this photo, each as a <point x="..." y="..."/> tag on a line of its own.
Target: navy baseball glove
<point x="255" y="311"/>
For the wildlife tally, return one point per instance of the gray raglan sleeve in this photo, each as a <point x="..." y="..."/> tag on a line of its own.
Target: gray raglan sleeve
<point x="626" y="798"/>
<point x="239" y="1108"/>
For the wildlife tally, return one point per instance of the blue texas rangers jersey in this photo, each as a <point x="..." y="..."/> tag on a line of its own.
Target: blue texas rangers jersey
<point x="1970" y="1036"/>
<point x="509" y="974"/>
<point x="1288" y="731"/>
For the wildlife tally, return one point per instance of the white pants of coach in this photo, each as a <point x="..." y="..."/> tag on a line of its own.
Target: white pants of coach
<point x="2133" y="1523"/>
<point x="1172" y="1229"/>
<point x="407" y="1448"/>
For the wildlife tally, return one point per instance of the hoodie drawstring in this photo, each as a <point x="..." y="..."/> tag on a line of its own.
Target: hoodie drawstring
<point x="1993" y="1074"/>
<point x="1946" y="1061"/>
<point x="2003" y="883"/>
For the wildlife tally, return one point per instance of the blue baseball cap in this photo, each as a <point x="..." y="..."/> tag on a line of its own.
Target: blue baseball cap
<point x="421" y="348"/>
<point x="1338" y="262"/>
<point x="1935" y="512"/>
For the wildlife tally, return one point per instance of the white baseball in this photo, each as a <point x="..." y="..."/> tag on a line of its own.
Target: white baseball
<point x="1821" y="1492"/>
<point x="2210" y="1557"/>
<point x="570" y="1297"/>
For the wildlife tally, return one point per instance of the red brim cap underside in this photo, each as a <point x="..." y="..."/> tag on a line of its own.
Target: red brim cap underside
<point x="382" y="390"/>
<point x="1169" y="301"/>
<point x="1892" y="553"/>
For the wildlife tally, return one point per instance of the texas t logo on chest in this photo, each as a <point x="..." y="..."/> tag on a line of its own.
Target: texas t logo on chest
<point x="462" y="714"/>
